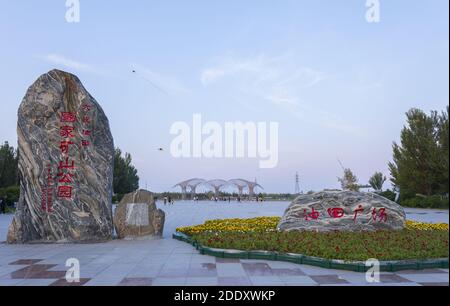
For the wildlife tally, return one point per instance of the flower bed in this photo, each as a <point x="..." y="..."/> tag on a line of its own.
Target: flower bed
<point x="262" y="224"/>
<point x="269" y="224"/>
<point x="418" y="241"/>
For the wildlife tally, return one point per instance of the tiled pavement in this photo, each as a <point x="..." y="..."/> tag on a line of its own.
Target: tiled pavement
<point x="161" y="262"/>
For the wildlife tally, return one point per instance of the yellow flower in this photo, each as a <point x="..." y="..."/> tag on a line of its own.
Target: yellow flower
<point x="426" y="226"/>
<point x="269" y="224"/>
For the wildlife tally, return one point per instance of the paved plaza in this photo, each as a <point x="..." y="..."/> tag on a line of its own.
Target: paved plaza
<point x="166" y="261"/>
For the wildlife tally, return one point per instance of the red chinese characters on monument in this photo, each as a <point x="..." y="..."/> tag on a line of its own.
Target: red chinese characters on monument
<point x="336" y="213"/>
<point x="360" y="209"/>
<point x="68" y="117"/>
<point x="67" y="165"/>
<point x="47" y="191"/>
<point x="313" y="215"/>
<point x="65" y="192"/>
<point x="87" y="120"/>
<point x="66" y="168"/>
<point x="378" y="214"/>
<point x="64" y="146"/>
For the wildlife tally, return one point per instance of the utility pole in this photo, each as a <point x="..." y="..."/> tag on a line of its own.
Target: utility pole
<point x="297" y="183"/>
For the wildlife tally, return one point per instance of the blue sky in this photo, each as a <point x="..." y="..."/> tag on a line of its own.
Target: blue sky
<point x="337" y="85"/>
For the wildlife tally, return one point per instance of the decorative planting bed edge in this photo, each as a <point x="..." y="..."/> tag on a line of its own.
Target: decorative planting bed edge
<point x="356" y="266"/>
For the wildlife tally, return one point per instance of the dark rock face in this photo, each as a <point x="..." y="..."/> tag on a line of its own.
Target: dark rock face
<point x="342" y="211"/>
<point x="137" y="216"/>
<point x="66" y="156"/>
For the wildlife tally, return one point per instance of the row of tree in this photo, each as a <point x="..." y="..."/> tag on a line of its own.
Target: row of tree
<point x="125" y="178"/>
<point x="8" y="166"/>
<point x="420" y="165"/>
<point x="349" y="181"/>
<point x="420" y="161"/>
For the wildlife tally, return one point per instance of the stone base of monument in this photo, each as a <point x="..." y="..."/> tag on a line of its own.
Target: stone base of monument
<point x="136" y="217"/>
<point x="342" y="211"/>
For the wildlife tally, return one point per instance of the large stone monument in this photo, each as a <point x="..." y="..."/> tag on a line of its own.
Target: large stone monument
<point x="136" y="216"/>
<point x="66" y="156"/>
<point x="342" y="211"/>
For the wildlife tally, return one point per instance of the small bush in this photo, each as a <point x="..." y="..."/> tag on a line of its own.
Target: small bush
<point x="435" y="201"/>
<point x="388" y="194"/>
<point x="10" y="195"/>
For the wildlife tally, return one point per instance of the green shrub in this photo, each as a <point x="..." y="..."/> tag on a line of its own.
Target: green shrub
<point x="117" y="198"/>
<point x="10" y="195"/>
<point x="388" y="194"/>
<point x="435" y="201"/>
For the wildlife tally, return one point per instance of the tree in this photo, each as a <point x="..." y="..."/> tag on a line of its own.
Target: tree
<point x="377" y="180"/>
<point x="8" y="166"/>
<point x="349" y="181"/>
<point x="125" y="178"/>
<point x="10" y="195"/>
<point x="443" y="138"/>
<point x="420" y="162"/>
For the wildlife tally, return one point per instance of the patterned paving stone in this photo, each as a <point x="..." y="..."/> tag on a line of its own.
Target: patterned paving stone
<point x="298" y="281"/>
<point x="393" y="278"/>
<point x="434" y="284"/>
<point x="266" y="281"/>
<point x="425" y="278"/>
<point x="26" y="262"/>
<point x="257" y="269"/>
<point x="328" y="279"/>
<point x="230" y="270"/>
<point x="202" y="281"/>
<point x="167" y="262"/>
<point x="37" y="272"/>
<point x="65" y="283"/>
<point x="234" y="281"/>
<point x="138" y="281"/>
<point x="288" y="272"/>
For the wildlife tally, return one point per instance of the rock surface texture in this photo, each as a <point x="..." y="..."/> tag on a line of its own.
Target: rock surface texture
<point x="66" y="156"/>
<point x="137" y="216"/>
<point x="342" y="211"/>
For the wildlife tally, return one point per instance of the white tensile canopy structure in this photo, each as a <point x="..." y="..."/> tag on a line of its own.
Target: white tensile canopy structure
<point x="241" y="184"/>
<point x="217" y="185"/>
<point x="192" y="184"/>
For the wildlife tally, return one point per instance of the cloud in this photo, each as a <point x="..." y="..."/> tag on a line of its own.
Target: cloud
<point x="281" y="81"/>
<point x="282" y="100"/>
<point x="61" y="60"/>
<point x="278" y="71"/>
<point x="234" y="66"/>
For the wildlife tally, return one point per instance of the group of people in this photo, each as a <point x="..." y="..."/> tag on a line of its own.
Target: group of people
<point x="168" y="201"/>
<point x="229" y="199"/>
